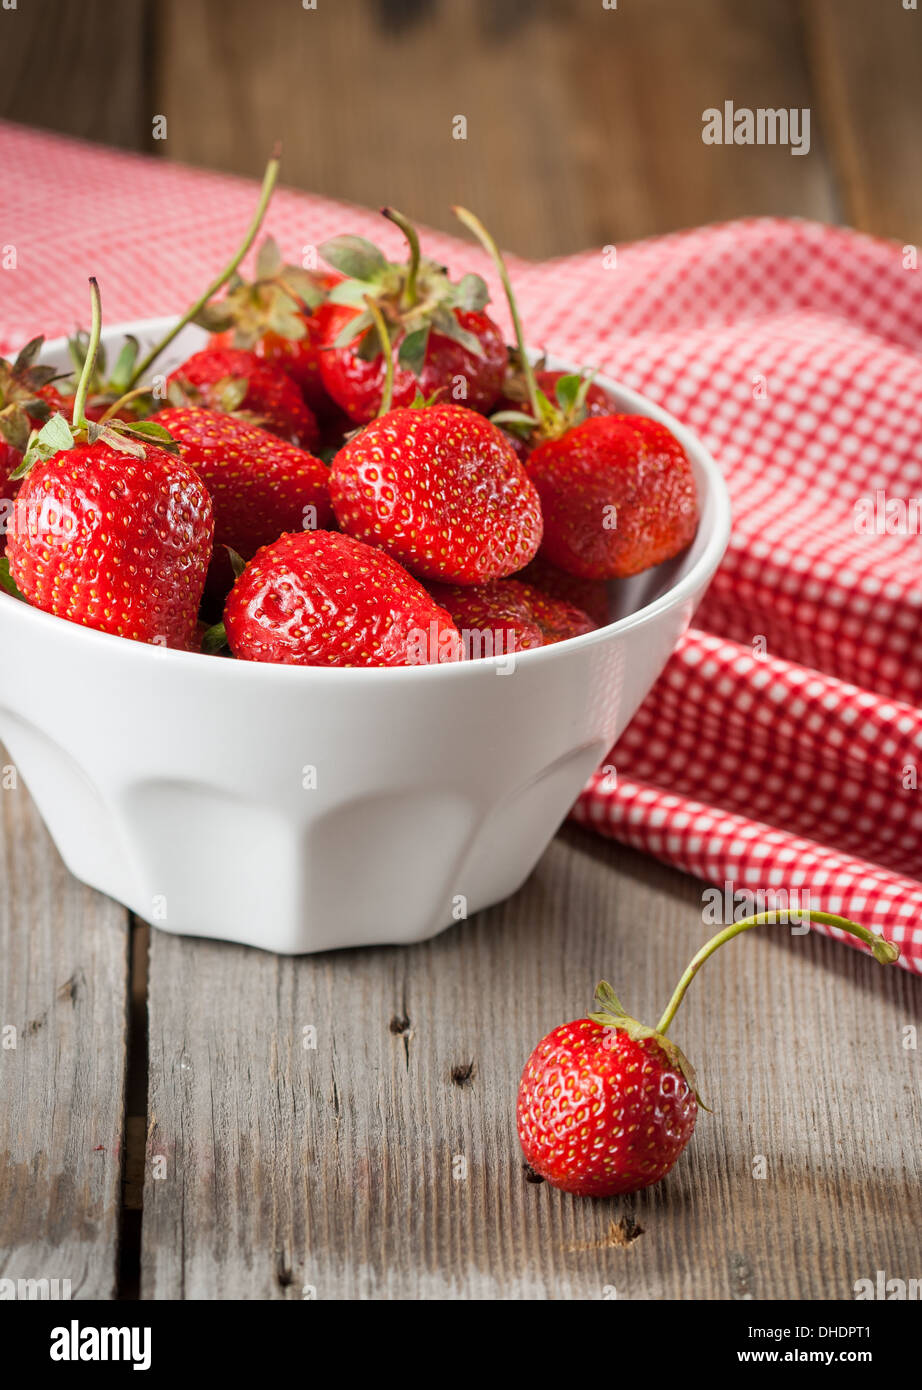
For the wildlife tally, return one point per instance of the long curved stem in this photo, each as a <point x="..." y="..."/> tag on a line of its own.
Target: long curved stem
<point x="269" y="180"/>
<point x="881" y="949"/>
<point x="89" y="362"/>
<point x="475" y="225"/>
<point x="387" y="395"/>
<point x="409" y="231"/>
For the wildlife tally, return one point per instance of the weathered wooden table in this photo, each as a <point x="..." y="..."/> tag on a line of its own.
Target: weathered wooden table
<point x="197" y="1120"/>
<point x="184" y="1119"/>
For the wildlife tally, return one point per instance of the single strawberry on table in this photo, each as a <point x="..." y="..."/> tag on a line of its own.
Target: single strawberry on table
<point x="233" y="379"/>
<point x="617" y="491"/>
<point x="606" y="1104"/>
<point x="323" y="599"/>
<point x="440" y="338"/>
<point x="109" y="529"/>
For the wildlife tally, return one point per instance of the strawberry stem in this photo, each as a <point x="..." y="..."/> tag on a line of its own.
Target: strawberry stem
<point x="116" y="406"/>
<point x="882" y="950"/>
<point x="409" y="231"/>
<point x="475" y="225"/>
<point x="387" y="395"/>
<point x="268" y="185"/>
<point x="78" y="418"/>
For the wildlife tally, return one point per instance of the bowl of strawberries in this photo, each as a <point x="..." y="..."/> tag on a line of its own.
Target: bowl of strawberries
<point x="319" y="605"/>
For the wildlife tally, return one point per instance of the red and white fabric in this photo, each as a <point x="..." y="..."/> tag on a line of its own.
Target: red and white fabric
<point x="781" y="748"/>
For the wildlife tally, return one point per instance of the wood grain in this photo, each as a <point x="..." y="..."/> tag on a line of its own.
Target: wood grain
<point x="79" y="67"/>
<point x="63" y="988"/>
<point x="338" y="1169"/>
<point x="581" y="129"/>
<point x="866" y="63"/>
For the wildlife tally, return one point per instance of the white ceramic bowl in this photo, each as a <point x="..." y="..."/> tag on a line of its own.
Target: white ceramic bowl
<point x="299" y="809"/>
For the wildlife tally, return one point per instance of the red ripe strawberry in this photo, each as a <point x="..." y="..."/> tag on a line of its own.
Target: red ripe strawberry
<point x="109" y="529"/>
<point x="260" y="486"/>
<point x="602" y="1112"/>
<point x="231" y="379"/>
<point x="505" y="615"/>
<point x="617" y="491"/>
<point x="618" y="496"/>
<point x="275" y="316"/>
<point x="606" y="1104"/>
<point x="591" y="595"/>
<point x="441" y="489"/>
<point x="440" y="337"/>
<point x="117" y="539"/>
<point x="493" y="618"/>
<point x="323" y="599"/>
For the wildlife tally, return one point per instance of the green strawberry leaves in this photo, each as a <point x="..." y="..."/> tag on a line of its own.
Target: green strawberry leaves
<point x="415" y="299"/>
<point x="54" y="435"/>
<point x="610" y="1013"/>
<point x="412" y="351"/>
<point x="58" y="435"/>
<point x="353" y="257"/>
<point x="15" y="426"/>
<point x="275" y="302"/>
<point x="7" y="582"/>
<point x="214" y="640"/>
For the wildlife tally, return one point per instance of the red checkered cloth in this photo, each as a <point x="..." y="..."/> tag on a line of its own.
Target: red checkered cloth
<point x="781" y="748"/>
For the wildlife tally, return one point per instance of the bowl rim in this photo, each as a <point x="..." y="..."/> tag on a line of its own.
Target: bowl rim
<point x="635" y="403"/>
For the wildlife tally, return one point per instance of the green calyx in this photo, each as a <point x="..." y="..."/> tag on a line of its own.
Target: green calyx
<point x="414" y="299"/>
<point x="610" y="1013"/>
<point x="7" y="582"/>
<point x="58" y="434"/>
<point x="20" y="403"/>
<point x="540" y="419"/>
<point x="551" y="419"/>
<point x="275" y="301"/>
<point x="226" y="395"/>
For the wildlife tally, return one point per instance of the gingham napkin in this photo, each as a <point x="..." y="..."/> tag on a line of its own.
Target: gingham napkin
<point x="782" y="748"/>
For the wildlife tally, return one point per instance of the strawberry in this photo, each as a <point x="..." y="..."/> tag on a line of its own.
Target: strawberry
<point x="260" y="486"/>
<point x="109" y="529"/>
<point x="563" y="399"/>
<point x="591" y="595"/>
<point x="617" y="491"/>
<point x="505" y="615"/>
<point x="114" y="539"/>
<point x="442" y="491"/>
<point x="231" y="379"/>
<point x="275" y="316"/>
<point x="617" y="494"/>
<point x="322" y="599"/>
<point x="601" y="1111"/>
<point x="492" y="618"/>
<point x="440" y="338"/>
<point x="606" y="1104"/>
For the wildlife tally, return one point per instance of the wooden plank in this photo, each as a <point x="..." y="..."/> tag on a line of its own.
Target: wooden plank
<point x="581" y="128"/>
<point x="866" y="62"/>
<point x="384" y="1163"/>
<point x="63" y="989"/>
<point x="71" y="66"/>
